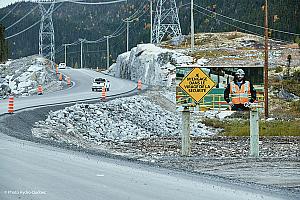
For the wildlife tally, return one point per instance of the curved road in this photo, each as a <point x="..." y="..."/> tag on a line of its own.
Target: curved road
<point x="83" y="79"/>
<point x="34" y="171"/>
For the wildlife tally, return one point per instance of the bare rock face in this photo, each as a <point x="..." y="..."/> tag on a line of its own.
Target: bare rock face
<point x="21" y="77"/>
<point x="283" y="94"/>
<point x="153" y="65"/>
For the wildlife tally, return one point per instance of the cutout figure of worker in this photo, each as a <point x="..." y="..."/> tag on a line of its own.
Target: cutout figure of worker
<point x="239" y="92"/>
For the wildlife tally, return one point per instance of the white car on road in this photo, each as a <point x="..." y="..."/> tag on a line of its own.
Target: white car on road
<point x="62" y="66"/>
<point x="99" y="83"/>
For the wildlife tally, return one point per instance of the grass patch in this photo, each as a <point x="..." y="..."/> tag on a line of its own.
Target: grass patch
<point x="278" y="69"/>
<point x="234" y="36"/>
<point x="266" y="128"/>
<point x="295" y="106"/>
<point x="292" y="86"/>
<point x="210" y="54"/>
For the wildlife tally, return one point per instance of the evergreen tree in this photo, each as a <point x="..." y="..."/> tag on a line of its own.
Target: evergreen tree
<point x="3" y="45"/>
<point x="297" y="40"/>
<point x="73" y="21"/>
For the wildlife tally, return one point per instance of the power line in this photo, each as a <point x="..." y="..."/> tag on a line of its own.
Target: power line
<point x="277" y="40"/>
<point x="26" y="29"/>
<point x="95" y="3"/>
<point x="82" y="3"/>
<point x="254" y="25"/>
<point x="21" y="18"/>
<point x="23" y="30"/>
<point x="121" y="26"/>
<point x="10" y="11"/>
<point x="61" y="48"/>
<point x="120" y="30"/>
<point x="137" y="11"/>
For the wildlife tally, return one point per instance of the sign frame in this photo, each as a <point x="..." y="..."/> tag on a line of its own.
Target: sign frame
<point x="192" y="69"/>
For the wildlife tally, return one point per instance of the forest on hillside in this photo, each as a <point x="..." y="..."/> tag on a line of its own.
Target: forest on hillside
<point x="3" y="45"/>
<point x="73" y="21"/>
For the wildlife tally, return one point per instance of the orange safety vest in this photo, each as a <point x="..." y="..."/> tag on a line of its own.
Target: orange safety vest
<point x="240" y="95"/>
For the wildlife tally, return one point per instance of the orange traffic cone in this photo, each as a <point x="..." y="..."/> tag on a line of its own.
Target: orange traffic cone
<point x="39" y="90"/>
<point x="103" y="93"/>
<point x="11" y="105"/>
<point x="60" y="77"/>
<point x="69" y="81"/>
<point x="139" y="87"/>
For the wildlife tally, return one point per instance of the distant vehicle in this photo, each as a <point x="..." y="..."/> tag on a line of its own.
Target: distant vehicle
<point x="62" y="66"/>
<point x="99" y="83"/>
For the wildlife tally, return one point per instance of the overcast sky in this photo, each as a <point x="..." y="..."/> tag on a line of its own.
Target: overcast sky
<point x="4" y="3"/>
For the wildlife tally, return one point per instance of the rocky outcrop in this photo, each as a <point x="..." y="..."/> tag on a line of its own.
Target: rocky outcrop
<point x="21" y="77"/>
<point x="152" y="64"/>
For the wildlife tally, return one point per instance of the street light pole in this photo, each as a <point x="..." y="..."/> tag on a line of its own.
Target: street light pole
<point x="266" y="61"/>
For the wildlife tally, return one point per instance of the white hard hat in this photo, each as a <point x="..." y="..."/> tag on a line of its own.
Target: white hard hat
<point x="240" y="72"/>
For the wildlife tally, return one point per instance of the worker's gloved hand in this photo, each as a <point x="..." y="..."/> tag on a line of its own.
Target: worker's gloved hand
<point x="247" y="104"/>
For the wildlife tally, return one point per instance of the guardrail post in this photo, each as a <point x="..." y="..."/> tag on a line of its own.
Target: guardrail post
<point x="254" y="133"/>
<point x="185" y="138"/>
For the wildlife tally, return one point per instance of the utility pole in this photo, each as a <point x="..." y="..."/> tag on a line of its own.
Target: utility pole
<point x="151" y="19"/>
<point x="107" y="51"/>
<point x="81" y="52"/>
<point x="266" y="60"/>
<point x="127" y="37"/>
<point x="192" y="26"/>
<point x="66" y="45"/>
<point x="65" y="54"/>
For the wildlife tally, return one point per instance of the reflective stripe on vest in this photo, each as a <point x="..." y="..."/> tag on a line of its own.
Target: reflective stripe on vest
<point x="240" y="95"/>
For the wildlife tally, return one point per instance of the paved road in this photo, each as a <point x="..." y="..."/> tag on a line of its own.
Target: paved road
<point x="35" y="171"/>
<point x="81" y="90"/>
<point x="56" y="174"/>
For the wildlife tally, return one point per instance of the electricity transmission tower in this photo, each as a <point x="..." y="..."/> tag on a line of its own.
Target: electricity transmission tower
<point x="46" y="34"/>
<point x="166" y="21"/>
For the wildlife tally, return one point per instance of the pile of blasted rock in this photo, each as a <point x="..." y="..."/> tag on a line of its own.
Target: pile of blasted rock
<point x="21" y="77"/>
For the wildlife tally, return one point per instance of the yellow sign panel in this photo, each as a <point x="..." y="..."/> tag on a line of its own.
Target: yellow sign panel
<point x="197" y="84"/>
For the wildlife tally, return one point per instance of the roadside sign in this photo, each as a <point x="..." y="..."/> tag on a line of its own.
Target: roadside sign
<point x="197" y="84"/>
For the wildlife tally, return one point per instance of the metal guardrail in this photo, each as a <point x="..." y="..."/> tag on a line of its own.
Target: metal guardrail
<point x="215" y="101"/>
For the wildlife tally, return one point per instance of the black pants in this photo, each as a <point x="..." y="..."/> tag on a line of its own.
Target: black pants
<point x="239" y="107"/>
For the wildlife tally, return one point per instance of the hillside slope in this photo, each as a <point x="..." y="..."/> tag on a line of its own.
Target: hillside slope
<point x="73" y="21"/>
